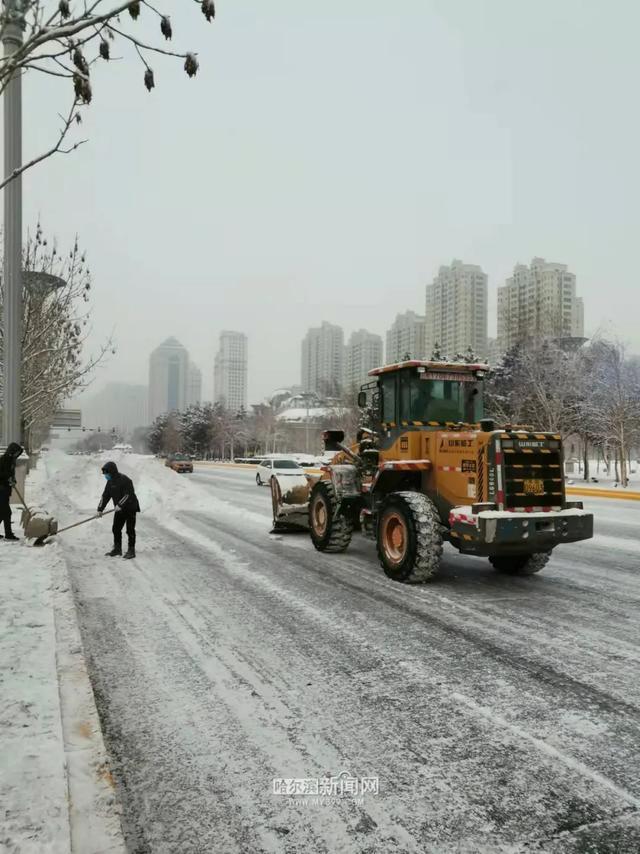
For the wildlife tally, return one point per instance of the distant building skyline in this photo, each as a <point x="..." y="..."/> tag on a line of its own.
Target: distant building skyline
<point x="539" y="301"/>
<point x="123" y="406"/>
<point x="406" y="336"/>
<point x="230" y="371"/>
<point x="322" y="359"/>
<point x="363" y="352"/>
<point x="456" y="310"/>
<point x="194" y="387"/>
<point x="168" y="378"/>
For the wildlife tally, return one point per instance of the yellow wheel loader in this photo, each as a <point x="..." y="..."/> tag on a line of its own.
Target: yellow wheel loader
<point x="431" y="469"/>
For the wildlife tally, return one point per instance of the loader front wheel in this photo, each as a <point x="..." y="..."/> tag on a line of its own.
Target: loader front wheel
<point x="330" y="530"/>
<point x="409" y="537"/>
<point x="520" y="564"/>
<point x="276" y="499"/>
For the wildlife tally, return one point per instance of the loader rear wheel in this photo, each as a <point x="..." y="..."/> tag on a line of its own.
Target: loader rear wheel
<point x="409" y="537"/>
<point x="520" y="564"/>
<point x="330" y="530"/>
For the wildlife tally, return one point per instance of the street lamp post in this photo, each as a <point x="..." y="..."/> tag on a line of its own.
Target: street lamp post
<point x="12" y="310"/>
<point x="306" y="430"/>
<point x="306" y="397"/>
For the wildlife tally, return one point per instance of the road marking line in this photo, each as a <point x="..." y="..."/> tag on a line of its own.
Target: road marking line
<point x="548" y="749"/>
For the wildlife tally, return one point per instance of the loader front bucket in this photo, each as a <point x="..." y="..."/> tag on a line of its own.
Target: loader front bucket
<point x="290" y="502"/>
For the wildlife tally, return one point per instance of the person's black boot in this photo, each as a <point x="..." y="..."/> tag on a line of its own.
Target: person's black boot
<point x="129" y="555"/>
<point x="115" y="552"/>
<point x="11" y="537"/>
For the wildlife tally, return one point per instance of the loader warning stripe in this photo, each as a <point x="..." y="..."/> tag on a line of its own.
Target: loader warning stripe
<point x="467" y="518"/>
<point x="531" y="509"/>
<point x="449" y="424"/>
<point x="535" y="465"/>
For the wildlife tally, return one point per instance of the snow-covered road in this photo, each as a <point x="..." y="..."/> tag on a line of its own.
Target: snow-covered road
<point x="500" y="714"/>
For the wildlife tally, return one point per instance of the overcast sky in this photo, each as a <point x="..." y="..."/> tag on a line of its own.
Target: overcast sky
<point x="330" y="156"/>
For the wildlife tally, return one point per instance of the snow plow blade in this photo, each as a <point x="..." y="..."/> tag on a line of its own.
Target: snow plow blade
<point x="290" y="502"/>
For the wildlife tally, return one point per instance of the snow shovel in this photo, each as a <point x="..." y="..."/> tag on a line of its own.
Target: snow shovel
<point x="35" y="523"/>
<point x="22" y="501"/>
<point x="43" y="539"/>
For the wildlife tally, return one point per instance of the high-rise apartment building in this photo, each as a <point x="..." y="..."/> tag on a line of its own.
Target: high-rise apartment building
<point x="362" y="353"/>
<point x="322" y="368"/>
<point x="122" y="406"/>
<point x="194" y="388"/>
<point x="539" y="302"/>
<point x="168" y="378"/>
<point x="406" y="337"/>
<point x="456" y="310"/>
<point x="230" y="371"/>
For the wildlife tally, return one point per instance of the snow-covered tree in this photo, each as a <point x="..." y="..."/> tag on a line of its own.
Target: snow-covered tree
<point x="613" y="406"/>
<point x="56" y="316"/>
<point x="537" y="385"/>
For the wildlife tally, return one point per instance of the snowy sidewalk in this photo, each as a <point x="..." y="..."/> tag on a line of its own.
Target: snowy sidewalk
<point x="56" y="794"/>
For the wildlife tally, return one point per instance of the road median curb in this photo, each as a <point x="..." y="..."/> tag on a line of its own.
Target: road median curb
<point x="94" y="812"/>
<point x="603" y="493"/>
<point x="212" y="464"/>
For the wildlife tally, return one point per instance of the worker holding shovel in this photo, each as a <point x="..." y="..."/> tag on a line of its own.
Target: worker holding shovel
<point x="119" y="489"/>
<point x="7" y="481"/>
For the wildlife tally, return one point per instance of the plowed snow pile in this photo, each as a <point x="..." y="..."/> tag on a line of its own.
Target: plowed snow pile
<point x="76" y="484"/>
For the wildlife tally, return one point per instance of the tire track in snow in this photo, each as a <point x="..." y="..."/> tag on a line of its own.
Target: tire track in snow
<point x="586" y="695"/>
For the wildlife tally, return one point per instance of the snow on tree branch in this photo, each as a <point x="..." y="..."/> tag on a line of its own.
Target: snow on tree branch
<point x="55" y="327"/>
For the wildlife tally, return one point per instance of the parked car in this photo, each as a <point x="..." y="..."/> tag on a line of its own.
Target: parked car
<point x="180" y="463"/>
<point x="281" y="467"/>
<point x="309" y="463"/>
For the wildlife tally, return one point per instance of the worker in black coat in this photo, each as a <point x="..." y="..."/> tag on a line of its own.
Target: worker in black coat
<point x="7" y="481"/>
<point x="119" y="489"/>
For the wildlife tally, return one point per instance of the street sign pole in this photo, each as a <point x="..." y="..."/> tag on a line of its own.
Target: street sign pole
<point x="12" y="310"/>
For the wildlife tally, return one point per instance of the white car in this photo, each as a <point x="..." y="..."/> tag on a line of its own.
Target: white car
<point x="281" y="467"/>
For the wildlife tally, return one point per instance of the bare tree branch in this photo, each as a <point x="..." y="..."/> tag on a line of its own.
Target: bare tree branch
<point x="54" y="47"/>
<point x="57" y="148"/>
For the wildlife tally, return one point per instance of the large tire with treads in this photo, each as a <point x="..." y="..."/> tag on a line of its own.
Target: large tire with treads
<point x="520" y="564"/>
<point x="409" y="537"/>
<point x="330" y="530"/>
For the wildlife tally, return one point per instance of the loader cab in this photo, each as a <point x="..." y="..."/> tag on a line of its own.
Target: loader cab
<point x="426" y="392"/>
